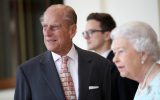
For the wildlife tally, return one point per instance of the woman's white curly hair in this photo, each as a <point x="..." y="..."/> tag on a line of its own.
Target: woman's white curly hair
<point x="141" y="35"/>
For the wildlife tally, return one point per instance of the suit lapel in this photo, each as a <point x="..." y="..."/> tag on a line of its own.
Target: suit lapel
<point x="51" y="76"/>
<point x="110" y="56"/>
<point x="84" y="70"/>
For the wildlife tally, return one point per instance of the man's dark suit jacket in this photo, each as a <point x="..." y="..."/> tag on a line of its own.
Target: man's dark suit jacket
<point x="123" y="88"/>
<point x="38" y="79"/>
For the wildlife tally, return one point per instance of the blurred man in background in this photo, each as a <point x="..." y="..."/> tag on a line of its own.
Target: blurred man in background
<point x="97" y="35"/>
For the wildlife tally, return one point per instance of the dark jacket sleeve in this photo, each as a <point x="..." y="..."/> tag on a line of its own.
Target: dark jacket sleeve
<point x="22" y="91"/>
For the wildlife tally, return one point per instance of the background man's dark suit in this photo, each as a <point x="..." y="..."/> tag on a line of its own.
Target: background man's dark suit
<point x="41" y="81"/>
<point x="123" y="89"/>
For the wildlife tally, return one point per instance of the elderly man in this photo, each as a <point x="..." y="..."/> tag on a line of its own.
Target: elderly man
<point x="64" y="72"/>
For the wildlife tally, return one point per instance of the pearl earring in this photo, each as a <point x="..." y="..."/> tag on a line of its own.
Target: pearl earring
<point x="142" y="61"/>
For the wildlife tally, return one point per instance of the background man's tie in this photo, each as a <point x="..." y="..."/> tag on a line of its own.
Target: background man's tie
<point x="67" y="81"/>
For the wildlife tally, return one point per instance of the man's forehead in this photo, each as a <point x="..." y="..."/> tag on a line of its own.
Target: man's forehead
<point x="55" y="9"/>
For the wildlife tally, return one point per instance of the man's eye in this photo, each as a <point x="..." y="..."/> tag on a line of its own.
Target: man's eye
<point x="92" y="31"/>
<point x="55" y="27"/>
<point x="44" y="27"/>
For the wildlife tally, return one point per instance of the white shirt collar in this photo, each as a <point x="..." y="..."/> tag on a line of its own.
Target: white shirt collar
<point x="105" y="54"/>
<point x="71" y="54"/>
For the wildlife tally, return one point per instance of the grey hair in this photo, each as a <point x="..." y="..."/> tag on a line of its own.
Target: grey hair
<point x="68" y="11"/>
<point x="142" y="37"/>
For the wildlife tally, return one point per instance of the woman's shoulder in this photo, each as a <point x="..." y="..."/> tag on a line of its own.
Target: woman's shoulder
<point x="155" y="87"/>
<point x="156" y="81"/>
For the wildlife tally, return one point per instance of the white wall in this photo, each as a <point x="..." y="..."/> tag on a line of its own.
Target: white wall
<point x="121" y="10"/>
<point x="129" y="10"/>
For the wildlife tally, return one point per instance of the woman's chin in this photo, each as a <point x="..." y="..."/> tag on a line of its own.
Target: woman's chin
<point x="122" y="74"/>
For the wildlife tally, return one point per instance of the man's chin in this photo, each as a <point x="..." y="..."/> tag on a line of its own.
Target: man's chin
<point x="90" y="48"/>
<point x="50" y="49"/>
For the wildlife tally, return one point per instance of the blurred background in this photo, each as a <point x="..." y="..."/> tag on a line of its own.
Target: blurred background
<point x="21" y="33"/>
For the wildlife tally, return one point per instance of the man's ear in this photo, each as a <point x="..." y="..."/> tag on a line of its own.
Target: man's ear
<point x="107" y="35"/>
<point x="73" y="29"/>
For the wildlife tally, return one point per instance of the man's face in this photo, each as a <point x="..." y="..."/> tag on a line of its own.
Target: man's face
<point x="57" y="32"/>
<point x="97" y="39"/>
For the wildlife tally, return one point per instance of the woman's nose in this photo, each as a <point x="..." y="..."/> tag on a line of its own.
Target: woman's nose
<point x="115" y="58"/>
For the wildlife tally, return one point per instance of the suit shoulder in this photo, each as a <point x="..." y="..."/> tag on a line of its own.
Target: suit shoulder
<point x="34" y="61"/>
<point x="92" y="55"/>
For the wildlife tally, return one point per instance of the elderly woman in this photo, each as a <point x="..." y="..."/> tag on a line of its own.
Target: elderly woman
<point x="136" y="50"/>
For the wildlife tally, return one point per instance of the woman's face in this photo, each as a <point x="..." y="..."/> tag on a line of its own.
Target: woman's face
<point x="126" y="58"/>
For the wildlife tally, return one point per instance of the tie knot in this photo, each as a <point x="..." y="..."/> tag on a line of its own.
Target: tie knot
<point x="64" y="59"/>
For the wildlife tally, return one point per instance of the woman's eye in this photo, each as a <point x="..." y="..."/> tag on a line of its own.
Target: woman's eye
<point x="120" y="50"/>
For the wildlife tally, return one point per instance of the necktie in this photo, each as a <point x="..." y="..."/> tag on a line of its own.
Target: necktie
<point x="67" y="81"/>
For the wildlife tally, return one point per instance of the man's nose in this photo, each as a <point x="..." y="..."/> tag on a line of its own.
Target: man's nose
<point x="47" y="31"/>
